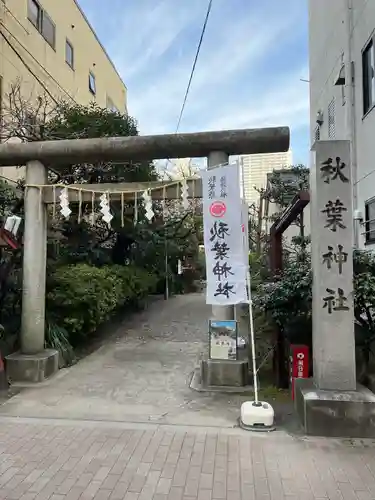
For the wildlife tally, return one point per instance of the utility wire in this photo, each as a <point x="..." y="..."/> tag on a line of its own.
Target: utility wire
<point x="35" y="59"/>
<point x="364" y="177"/>
<point x="28" y="67"/>
<point x="194" y="64"/>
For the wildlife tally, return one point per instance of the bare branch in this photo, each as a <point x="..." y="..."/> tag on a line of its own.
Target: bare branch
<point x="25" y="118"/>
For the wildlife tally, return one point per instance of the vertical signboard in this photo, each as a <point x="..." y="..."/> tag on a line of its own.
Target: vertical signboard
<point x="299" y="364"/>
<point x="223" y="236"/>
<point x="332" y="267"/>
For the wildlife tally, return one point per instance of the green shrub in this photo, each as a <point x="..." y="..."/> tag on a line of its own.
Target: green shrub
<point x="137" y="283"/>
<point x="81" y="297"/>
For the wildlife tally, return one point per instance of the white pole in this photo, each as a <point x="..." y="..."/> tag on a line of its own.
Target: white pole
<point x="251" y="319"/>
<point x="252" y="338"/>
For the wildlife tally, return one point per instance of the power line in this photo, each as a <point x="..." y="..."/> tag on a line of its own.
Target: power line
<point x="192" y="72"/>
<point x="194" y="64"/>
<point x="28" y="67"/>
<point x="35" y="59"/>
<point x="364" y="177"/>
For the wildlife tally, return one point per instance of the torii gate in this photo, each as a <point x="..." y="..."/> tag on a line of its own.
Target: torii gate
<point x="34" y="363"/>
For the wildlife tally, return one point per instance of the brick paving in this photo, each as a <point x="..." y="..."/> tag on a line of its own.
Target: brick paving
<point x="123" y="424"/>
<point x="52" y="460"/>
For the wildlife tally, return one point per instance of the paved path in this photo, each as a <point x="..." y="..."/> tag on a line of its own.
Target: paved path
<point x="123" y="424"/>
<point x="45" y="460"/>
<point x="141" y="375"/>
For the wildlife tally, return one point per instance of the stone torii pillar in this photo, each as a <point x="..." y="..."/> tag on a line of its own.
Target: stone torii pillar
<point x="34" y="363"/>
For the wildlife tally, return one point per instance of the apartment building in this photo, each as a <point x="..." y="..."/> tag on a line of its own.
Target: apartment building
<point x="255" y="169"/>
<point x="342" y="94"/>
<point x="50" y="48"/>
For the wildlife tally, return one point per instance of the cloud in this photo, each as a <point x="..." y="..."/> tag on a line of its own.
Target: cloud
<point x="248" y="73"/>
<point x="284" y="104"/>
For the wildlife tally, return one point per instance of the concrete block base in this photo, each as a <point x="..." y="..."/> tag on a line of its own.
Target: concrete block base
<point x="335" y="413"/>
<point x="223" y="373"/>
<point x="32" y="368"/>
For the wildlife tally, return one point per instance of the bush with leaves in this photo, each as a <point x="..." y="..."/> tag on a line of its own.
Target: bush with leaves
<point x="287" y="301"/>
<point x="81" y="297"/>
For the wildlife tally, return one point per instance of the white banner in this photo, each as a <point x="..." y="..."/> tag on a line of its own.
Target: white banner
<point x="245" y="231"/>
<point x="223" y="236"/>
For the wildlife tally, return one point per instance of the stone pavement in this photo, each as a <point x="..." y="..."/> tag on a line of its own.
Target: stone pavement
<point x="51" y="460"/>
<point x="141" y="374"/>
<point x="123" y="424"/>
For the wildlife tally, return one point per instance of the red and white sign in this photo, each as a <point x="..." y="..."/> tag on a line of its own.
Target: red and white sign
<point x="299" y="364"/>
<point x="223" y="236"/>
<point x="218" y="209"/>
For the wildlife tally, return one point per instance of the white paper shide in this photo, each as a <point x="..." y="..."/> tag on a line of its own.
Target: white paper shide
<point x="223" y="236"/>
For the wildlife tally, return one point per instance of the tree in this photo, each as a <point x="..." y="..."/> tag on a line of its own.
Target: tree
<point x="282" y="187"/>
<point x="43" y="119"/>
<point x="11" y="202"/>
<point x="257" y="235"/>
<point x="74" y="121"/>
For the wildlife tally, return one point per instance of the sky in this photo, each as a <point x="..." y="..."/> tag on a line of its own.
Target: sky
<point x="248" y="75"/>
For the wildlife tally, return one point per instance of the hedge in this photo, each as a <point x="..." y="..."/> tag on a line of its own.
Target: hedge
<point x="81" y="297"/>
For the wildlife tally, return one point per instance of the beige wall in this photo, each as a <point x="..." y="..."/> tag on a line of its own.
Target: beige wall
<point x="48" y="64"/>
<point x="41" y="69"/>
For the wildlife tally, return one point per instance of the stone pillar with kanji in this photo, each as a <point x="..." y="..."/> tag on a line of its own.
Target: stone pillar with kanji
<point x="332" y="267"/>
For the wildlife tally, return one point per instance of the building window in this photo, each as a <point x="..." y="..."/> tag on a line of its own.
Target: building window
<point x="331" y="120"/>
<point x="92" y="83"/>
<point x="34" y="13"/>
<point x="370" y="221"/>
<point x="69" y="54"/>
<point x="42" y="22"/>
<point x="48" y="29"/>
<point x="368" y="69"/>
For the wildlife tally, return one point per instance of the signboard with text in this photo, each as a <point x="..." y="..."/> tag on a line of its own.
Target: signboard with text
<point x="332" y="267"/>
<point x="223" y="236"/>
<point x="223" y="339"/>
<point x="299" y="364"/>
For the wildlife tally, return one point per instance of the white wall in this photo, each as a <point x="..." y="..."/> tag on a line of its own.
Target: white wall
<point x="327" y="36"/>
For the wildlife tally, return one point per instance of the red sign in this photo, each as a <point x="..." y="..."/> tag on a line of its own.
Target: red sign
<point x="299" y="363"/>
<point x="218" y="209"/>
